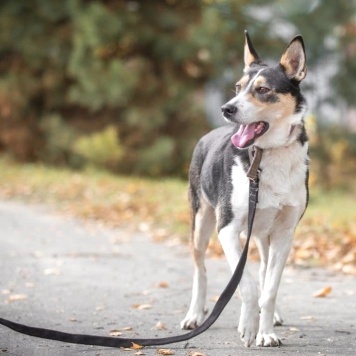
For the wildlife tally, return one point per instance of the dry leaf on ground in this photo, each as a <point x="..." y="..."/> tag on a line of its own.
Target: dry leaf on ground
<point x="136" y="346"/>
<point x="306" y="317"/>
<point x="196" y="353"/>
<point x="115" y="332"/>
<point x="162" y="284"/>
<point x="126" y="328"/>
<point x="51" y="272"/>
<point x="139" y="353"/>
<point x="16" y="297"/>
<point x="165" y="352"/>
<point x="322" y="293"/>
<point x="215" y="298"/>
<point x="141" y="306"/>
<point x="160" y="326"/>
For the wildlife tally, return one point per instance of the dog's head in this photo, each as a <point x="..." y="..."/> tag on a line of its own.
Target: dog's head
<point x="268" y="105"/>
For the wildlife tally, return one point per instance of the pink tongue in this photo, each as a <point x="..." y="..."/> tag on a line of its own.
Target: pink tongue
<point x="245" y="134"/>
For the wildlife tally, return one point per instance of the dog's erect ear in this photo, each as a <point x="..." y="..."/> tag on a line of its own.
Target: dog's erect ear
<point x="250" y="54"/>
<point x="293" y="60"/>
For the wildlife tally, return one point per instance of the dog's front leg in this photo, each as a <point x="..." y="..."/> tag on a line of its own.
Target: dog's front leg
<point x="229" y="237"/>
<point x="280" y="244"/>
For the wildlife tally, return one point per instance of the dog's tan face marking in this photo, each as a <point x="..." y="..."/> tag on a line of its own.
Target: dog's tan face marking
<point x="258" y="98"/>
<point x="241" y="84"/>
<point x="263" y="96"/>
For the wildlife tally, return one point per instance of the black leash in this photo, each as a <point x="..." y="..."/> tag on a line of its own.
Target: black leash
<point x="253" y="175"/>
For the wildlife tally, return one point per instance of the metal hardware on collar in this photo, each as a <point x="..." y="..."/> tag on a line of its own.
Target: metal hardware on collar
<point x="225" y="296"/>
<point x="255" y="159"/>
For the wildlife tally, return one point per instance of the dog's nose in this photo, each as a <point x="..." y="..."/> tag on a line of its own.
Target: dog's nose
<point x="228" y="110"/>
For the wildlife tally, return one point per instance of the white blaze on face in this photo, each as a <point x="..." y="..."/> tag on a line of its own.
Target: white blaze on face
<point x="252" y="81"/>
<point x="246" y="109"/>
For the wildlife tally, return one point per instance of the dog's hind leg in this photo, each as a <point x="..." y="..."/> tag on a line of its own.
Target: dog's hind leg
<point x="203" y="225"/>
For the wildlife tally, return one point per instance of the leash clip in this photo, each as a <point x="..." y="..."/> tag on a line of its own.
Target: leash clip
<point x="254" y="171"/>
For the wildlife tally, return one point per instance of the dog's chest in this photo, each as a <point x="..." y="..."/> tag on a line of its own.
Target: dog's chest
<point x="282" y="180"/>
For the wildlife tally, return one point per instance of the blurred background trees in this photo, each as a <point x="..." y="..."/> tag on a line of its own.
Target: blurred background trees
<point x="131" y="85"/>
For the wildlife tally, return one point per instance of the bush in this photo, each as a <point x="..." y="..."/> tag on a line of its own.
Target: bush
<point x="100" y="148"/>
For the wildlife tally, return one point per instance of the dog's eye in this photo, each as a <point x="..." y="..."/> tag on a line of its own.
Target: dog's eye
<point x="237" y="87"/>
<point x="262" y="90"/>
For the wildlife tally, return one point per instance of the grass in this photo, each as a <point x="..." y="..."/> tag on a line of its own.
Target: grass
<point x="326" y="234"/>
<point x="160" y="205"/>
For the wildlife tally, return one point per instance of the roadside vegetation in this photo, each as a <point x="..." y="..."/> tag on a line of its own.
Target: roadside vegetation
<point x="326" y="235"/>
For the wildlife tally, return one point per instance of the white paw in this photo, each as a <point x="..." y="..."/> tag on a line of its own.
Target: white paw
<point x="192" y="320"/>
<point x="248" y="327"/>
<point x="268" y="340"/>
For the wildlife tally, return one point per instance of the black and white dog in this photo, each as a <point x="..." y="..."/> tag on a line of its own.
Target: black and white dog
<point x="268" y="112"/>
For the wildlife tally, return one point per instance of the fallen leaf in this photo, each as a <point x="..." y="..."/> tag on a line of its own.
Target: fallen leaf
<point x="196" y="353"/>
<point x="51" y="272"/>
<point x="322" y="293"/>
<point x="162" y="284"/>
<point x="306" y="317"/>
<point x="141" y="306"/>
<point x="160" y="326"/>
<point x="215" y="298"/>
<point x="136" y="346"/>
<point x="16" y="297"/>
<point x="165" y="352"/>
<point x="115" y="332"/>
<point x="126" y="328"/>
<point x="139" y="353"/>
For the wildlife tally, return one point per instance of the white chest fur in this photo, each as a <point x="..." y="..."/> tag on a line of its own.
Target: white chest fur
<point x="282" y="180"/>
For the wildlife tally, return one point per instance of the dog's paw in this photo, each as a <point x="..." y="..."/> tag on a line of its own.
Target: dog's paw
<point x="248" y="329"/>
<point x="268" y="340"/>
<point x="192" y="320"/>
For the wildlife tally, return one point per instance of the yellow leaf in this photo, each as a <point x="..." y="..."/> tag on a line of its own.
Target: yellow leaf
<point x="165" y="352"/>
<point x="322" y="292"/>
<point x="136" y="346"/>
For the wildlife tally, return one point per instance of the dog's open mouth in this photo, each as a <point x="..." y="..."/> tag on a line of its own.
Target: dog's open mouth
<point x="247" y="134"/>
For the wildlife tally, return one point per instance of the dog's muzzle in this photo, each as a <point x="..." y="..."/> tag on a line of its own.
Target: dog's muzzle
<point x="228" y="110"/>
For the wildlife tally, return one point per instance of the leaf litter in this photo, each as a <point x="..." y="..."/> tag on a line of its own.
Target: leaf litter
<point x="319" y="240"/>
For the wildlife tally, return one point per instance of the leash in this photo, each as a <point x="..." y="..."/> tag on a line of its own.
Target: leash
<point x="226" y="295"/>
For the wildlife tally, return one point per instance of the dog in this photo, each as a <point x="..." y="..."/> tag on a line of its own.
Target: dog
<point x="267" y="111"/>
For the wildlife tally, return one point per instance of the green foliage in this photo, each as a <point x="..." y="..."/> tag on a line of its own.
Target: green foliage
<point x="89" y="69"/>
<point x="100" y="148"/>
<point x="59" y="138"/>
